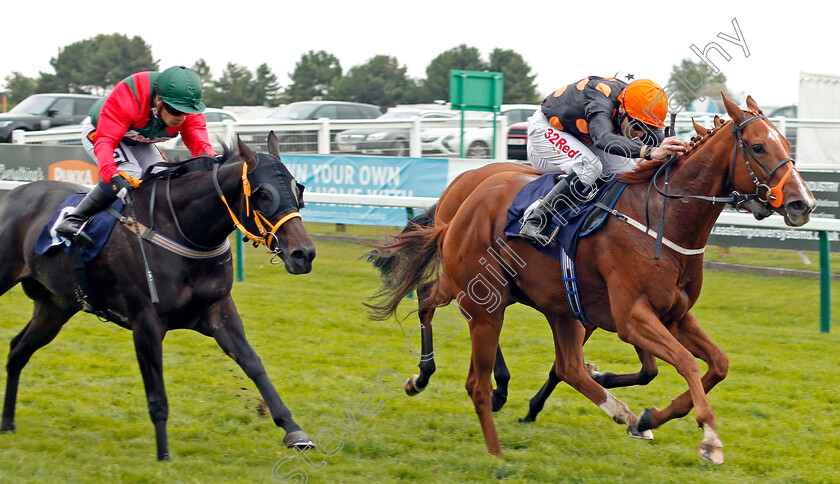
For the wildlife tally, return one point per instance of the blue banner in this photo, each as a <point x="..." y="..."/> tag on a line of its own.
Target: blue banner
<point x="361" y="175"/>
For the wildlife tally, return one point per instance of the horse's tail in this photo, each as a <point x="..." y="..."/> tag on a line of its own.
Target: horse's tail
<point x="385" y="263"/>
<point x="404" y="262"/>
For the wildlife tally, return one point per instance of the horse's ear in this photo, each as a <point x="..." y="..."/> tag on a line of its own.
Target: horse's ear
<point x="718" y="121"/>
<point x="731" y="108"/>
<point x="246" y="153"/>
<point x="273" y="144"/>
<point x="753" y="106"/>
<point x="701" y="131"/>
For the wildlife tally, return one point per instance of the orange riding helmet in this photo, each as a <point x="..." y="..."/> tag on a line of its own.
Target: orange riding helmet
<point x="646" y="101"/>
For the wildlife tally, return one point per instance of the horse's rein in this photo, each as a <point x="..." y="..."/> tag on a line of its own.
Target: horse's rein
<point x="260" y="220"/>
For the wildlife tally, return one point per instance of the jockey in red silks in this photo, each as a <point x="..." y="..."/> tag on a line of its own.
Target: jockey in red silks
<point x="145" y="108"/>
<point x="592" y="127"/>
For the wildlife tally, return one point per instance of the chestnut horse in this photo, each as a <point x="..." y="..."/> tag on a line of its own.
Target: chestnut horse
<point x="203" y="198"/>
<point x="442" y="213"/>
<point x="623" y="289"/>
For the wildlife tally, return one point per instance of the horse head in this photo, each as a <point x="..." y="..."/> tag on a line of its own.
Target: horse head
<point x="275" y="198"/>
<point x="761" y="164"/>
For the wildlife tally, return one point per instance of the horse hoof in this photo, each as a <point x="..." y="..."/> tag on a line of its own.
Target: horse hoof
<point x="499" y="400"/>
<point x="299" y="440"/>
<point x="411" y="387"/>
<point x="527" y="419"/>
<point x="637" y="434"/>
<point x="593" y="369"/>
<point x="645" y="420"/>
<point x="712" y="453"/>
<point x="10" y="428"/>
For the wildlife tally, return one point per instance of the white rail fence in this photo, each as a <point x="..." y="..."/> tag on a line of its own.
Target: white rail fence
<point x="425" y="136"/>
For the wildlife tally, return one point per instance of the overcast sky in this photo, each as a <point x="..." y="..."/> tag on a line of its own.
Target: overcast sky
<point x="560" y="41"/>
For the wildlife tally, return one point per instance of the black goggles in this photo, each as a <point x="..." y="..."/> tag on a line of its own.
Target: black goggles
<point x="173" y="111"/>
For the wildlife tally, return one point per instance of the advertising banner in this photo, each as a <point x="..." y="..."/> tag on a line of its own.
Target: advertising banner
<point x="360" y="175"/>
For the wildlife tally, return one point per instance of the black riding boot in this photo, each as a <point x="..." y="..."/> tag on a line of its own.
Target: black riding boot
<point x="560" y="197"/>
<point x="72" y="227"/>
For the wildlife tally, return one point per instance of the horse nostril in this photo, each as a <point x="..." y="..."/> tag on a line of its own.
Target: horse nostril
<point x="797" y="206"/>
<point x="303" y="255"/>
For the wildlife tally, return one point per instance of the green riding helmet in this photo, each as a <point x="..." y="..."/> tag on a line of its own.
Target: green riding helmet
<point x="180" y="87"/>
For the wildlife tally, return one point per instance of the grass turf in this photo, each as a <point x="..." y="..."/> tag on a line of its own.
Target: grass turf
<point x="82" y="411"/>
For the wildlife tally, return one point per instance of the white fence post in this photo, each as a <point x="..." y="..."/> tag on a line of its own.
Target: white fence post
<point x="415" y="149"/>
<point x="324" y="136"/>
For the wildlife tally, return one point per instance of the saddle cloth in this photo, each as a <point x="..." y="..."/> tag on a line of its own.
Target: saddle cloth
<point x="99" y="229"/>
<point x="573" y="222"/>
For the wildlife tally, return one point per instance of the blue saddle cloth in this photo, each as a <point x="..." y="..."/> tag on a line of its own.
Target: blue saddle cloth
<point x="574" y="218"/>
<point x="99" y="229"/>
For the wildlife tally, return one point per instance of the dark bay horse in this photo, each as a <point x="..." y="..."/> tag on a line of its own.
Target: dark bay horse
<point x="624" y="289"/>
<point x="197" y="208"/>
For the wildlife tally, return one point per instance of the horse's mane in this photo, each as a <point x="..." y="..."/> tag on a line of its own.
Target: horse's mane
<point x="201" y="163"/>
<point x="645" y="171"/>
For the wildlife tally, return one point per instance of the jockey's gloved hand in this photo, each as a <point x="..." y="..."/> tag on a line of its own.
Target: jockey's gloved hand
<point x="122" y="188"/>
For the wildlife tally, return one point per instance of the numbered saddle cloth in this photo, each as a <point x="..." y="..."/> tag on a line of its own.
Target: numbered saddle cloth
<point x="99" y="229"/>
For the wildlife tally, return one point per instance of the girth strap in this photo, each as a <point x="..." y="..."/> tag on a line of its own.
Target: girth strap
<point x="166" y="243"/>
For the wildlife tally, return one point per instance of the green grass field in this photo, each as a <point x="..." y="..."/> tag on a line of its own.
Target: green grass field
<point x="82" y="413"/>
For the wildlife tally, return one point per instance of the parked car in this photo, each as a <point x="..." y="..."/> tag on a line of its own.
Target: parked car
<point x="43" y="111"/>
<point x="385" y="141"/>
<point x="478" y="142"/>
<point x="517" y="141"/>
<point x="214" y="115"/>
<point x="307" y="141"/>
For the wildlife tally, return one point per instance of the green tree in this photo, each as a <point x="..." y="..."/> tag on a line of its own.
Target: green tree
<point x="314" y="75"/>
<point x="95" y="65"/>
<point x="266" y="86"/>
<point x="209" y="94"/>
<point x="381" y="81"/>
<point x="19" y="87"/>
<point x="436" y="85"/>
<point x="235" y="87"/>
<point x="690" y="81"/>
<point x="519" y="84"/>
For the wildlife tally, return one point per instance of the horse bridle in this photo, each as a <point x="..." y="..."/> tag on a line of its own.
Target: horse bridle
<point x="773" y="195"/>
<point x="260" y="220"/>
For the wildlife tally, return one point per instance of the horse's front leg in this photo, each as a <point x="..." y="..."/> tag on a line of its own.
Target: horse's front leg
<point x="225" y="326"/>
<point x="148" y="342"/>
<point x="689" y="333"/>
<point x="643" y="329"/>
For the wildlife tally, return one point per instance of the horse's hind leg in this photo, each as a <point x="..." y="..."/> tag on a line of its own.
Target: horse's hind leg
<point x="569" y="337"/>
<point x="417" y="383"/>
<point x="225" y="325"/>
<point x="484" y="334"/>
<point x="47" y="320"/>
<point x="502" y="376"/>
<point x="644" y="376"/>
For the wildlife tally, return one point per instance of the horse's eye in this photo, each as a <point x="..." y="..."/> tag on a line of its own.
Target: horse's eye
<point x="758" y="148"/>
